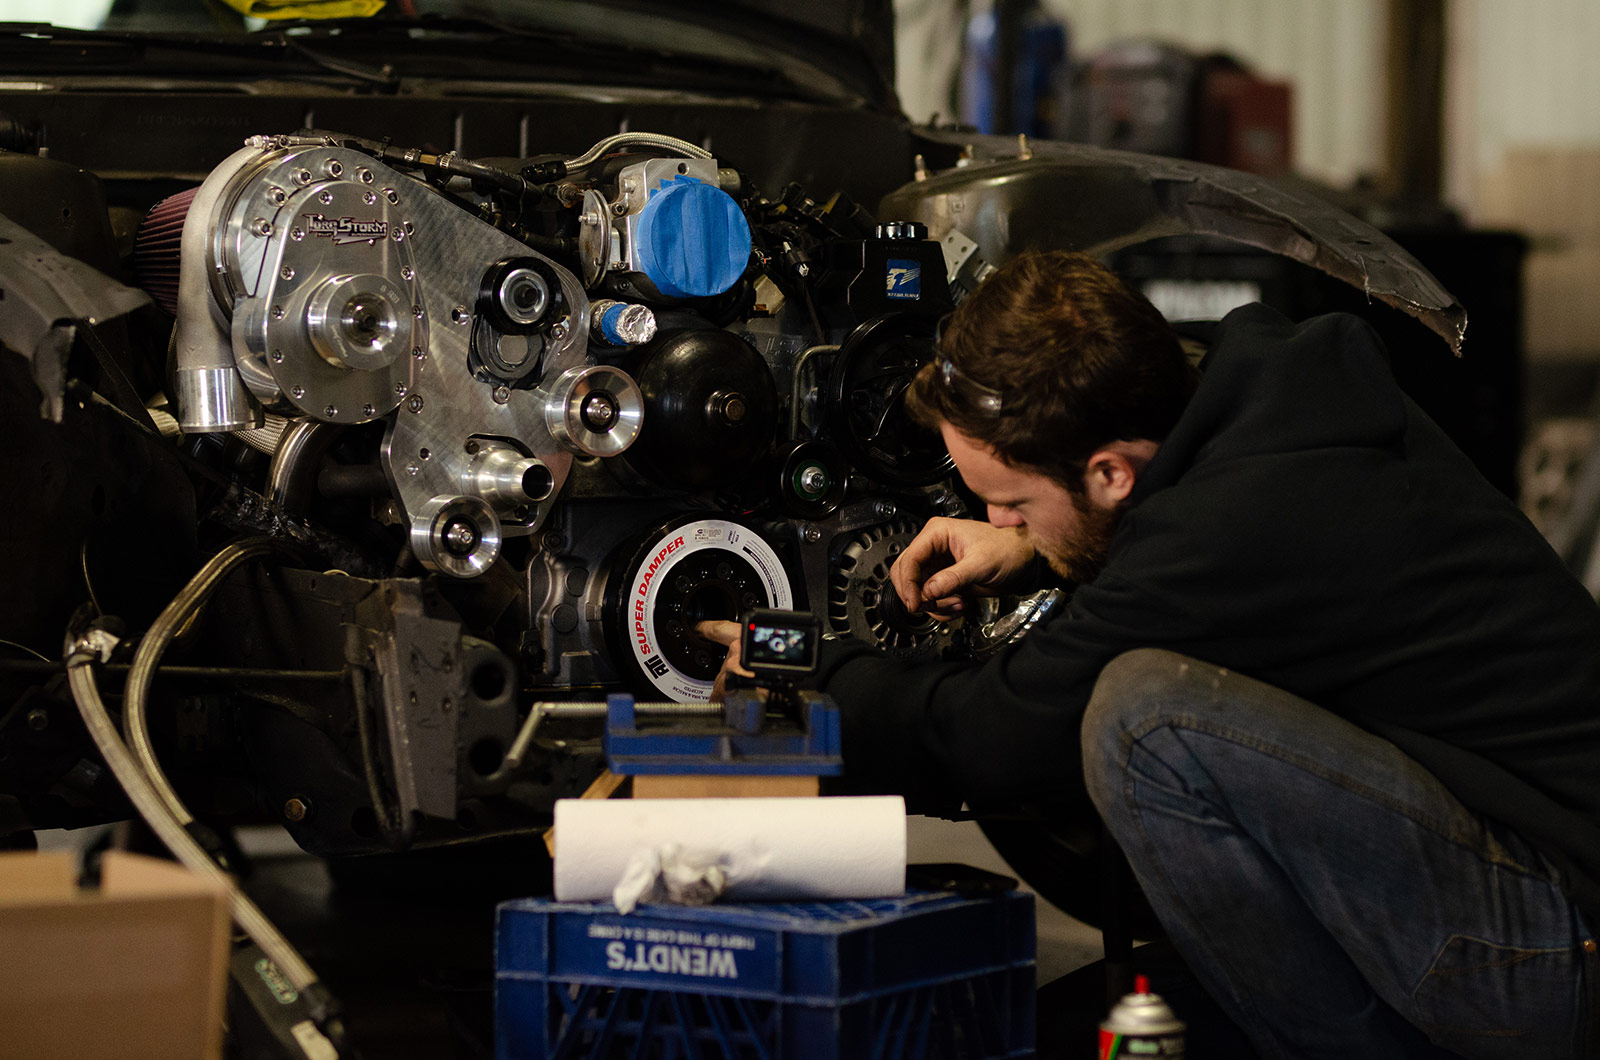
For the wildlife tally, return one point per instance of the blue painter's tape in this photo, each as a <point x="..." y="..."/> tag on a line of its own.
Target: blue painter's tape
<point x="610" y="325"/>
<point x="693" y="241"/>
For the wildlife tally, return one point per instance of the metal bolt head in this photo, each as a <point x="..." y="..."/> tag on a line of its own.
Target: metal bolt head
<point x="727" y="408"/>
<point x="391" y="194"/>
<point x="460" y="537"/>
<point x="416" y="403"/>
<point x="298" y="391"/>
<point x="303" y="176"/>
<point x="334" y="167"/>
<point x="559" y="330"/>
<point x="369" y="198"/>
<point x="407" y="272"/>
<point x="364" y="175"/>
<point x="814" y="480"/>
<point x="261" y="226"/>
<point x="38" y="719"/>
<point x="286" y="273"/>
<point x="297" y="809"/>
<point x="502" y="394"/>
<point x="813" y="534"/>
<point x="276" y="196"/>
<point x="297" y="234"/>
<point x="599" y="411"/>
<point x="326" y="197"/>
<point x="619" y="208"/>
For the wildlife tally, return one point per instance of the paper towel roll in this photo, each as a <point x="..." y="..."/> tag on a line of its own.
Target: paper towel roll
<point x="770" y="848"/>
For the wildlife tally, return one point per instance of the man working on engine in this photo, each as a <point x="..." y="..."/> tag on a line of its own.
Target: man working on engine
<point x="1335" y="698"/>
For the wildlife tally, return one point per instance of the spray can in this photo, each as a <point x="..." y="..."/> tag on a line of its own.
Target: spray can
<point x="1141" y="1024"/>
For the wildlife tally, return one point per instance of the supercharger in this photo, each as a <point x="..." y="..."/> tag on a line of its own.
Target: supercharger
<point x="323" y="286"/>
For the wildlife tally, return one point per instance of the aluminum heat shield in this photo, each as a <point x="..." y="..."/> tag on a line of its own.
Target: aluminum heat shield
<point x="48" y="295"/>
<point x="1096" y="200"/>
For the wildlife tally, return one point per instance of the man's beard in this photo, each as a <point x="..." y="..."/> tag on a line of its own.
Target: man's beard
<point x="1083" y="556"/>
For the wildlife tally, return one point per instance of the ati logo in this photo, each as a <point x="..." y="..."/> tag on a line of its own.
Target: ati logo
<point x="904" y="279"/>
<point x="345" y="229"/>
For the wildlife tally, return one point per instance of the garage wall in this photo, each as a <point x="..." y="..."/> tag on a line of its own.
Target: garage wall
<point x="1331" y="50"/>
<point x="1523" y="136"/>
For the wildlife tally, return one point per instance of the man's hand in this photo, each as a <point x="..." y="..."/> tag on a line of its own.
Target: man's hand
<point x="953" y="558"/>
<point x="728" y="633"/>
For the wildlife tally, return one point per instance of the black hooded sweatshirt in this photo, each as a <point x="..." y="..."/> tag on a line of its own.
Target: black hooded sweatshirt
<point x="1307" y="525"/>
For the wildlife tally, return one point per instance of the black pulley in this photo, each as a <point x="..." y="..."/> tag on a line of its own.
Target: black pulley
<point x="519" y="301"/>
<point x="811" y="480"/>
<point x="868" y="420"/>
<point x="710" y="409"/>
<point x="521" y="296"/>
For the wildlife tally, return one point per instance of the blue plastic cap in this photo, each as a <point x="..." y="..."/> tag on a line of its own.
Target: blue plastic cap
<point x="611" y="324"/>
<point x="693" y="240"/>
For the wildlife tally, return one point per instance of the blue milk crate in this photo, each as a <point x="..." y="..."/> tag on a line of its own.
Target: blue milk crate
<point x="930" y="975"/>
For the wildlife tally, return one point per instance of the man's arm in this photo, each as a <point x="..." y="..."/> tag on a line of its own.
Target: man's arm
<point x="1000" y="731"/>
<point x="948" y="560"/>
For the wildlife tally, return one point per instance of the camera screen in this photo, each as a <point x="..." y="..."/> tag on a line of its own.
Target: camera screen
<point x="780" y="640"/>
<point x="779" y="644"/>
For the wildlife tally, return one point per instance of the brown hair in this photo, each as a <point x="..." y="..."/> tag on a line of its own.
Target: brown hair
<point x="1078" y="358"/>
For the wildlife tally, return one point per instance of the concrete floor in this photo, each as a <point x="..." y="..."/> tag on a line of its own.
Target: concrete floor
<point x="1065" y="944"/>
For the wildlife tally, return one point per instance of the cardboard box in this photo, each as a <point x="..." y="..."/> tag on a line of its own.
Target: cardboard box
<point x="1563" y="316"/>
<point x="1550" y="193"/>
<point x="133" y="970"/>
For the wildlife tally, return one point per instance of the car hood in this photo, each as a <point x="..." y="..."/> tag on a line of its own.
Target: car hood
<point x="852" y="39"/>
<point x="839" y="52"/>
<point x="847" y="42"/>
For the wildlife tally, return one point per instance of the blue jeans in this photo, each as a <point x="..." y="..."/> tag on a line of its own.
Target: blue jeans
<point x="1319" y="882"/>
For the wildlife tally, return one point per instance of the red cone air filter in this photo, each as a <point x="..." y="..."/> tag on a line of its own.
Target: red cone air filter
<point x="156" y="249"/>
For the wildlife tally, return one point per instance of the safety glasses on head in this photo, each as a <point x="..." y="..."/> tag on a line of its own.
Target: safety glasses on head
<point x="963" y="388"/>
<point x="968" y="391"/>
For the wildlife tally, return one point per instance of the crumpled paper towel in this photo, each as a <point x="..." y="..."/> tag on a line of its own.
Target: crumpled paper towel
<point x="634" y="850"/>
